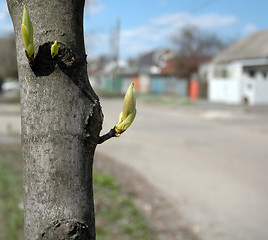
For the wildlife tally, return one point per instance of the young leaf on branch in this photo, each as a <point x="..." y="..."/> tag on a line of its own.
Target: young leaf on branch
<point x="54" y="49"/>
<point x="126" y="117"/>
<point x="129" y="111"/>
<point x="27" y="35"/>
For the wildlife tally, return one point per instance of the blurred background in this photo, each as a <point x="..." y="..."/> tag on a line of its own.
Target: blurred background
<point x="194" y="163"/>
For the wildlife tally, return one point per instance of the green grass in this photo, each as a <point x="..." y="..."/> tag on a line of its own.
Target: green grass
<point x="103" y="93"/>
<point x="11" y="211"/>
<point x="149" y="98"/>
<point x="116" y="215"/>
<point x="165" y="99"/>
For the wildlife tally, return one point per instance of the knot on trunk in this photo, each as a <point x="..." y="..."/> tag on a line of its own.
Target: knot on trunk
<point x="65" y="230"/>
<point x="44" y="63"/>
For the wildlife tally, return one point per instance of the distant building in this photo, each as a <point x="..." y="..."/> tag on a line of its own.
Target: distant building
<point x="152" y="72"/>
<point x="156" y="62"/>
<point x="239" y="73"/>
<point x="157" y="73"/>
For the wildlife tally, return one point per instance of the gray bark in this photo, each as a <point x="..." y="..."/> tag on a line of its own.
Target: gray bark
<point x="61" y="121"/>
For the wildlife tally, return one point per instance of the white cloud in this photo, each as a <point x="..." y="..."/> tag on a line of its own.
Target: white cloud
<point x="134" y="47"/>
<point x="96" y="44"/>
<point x="4" y="11"/>
<point x="214" y="21"/>
<point x="139" y="32"/>
<point x="249" y="29"/>
<point x="165" y="25"/>
<point x="159" y="30"/>
<point x="93" y="7"/>
<point x="6" y="26"/>
<point x="202" y="21"/>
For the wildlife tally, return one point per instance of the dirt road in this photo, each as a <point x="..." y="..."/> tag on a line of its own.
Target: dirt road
<point x="211" y="164"/>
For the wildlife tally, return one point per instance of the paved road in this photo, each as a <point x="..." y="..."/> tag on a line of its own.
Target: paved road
<point x="211" y="164"/>
<point x="10" y="126"/>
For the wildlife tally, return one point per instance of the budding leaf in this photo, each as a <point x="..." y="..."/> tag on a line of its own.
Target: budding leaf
<point x="54" y="49"/>
<point x="129" y="111"/>
<point x="27" y="33"/>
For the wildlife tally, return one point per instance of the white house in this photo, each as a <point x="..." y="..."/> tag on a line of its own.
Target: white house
<point x="240" y="73"/>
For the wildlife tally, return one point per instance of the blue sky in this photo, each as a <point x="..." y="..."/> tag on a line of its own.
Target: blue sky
<point x="148" y="24"/>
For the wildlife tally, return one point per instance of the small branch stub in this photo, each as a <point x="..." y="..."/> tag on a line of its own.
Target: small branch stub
<point x="105" y="137"/>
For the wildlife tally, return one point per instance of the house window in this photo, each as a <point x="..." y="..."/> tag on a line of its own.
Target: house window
<point x="221" y="73"/>
<point x="251" y="72"/>
<point x="224" y="73"/>
<point x="257" y="71"/>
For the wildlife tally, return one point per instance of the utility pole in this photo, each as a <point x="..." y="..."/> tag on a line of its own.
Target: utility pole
<point x="117" y="44"/>
<point x="114" y="46"/>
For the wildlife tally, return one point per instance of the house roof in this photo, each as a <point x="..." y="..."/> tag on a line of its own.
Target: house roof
<point x="155" y="57"/>
<point x="253" y="47"/>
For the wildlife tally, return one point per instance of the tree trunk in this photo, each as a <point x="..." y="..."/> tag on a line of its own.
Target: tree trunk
<point x="61" y="121"/>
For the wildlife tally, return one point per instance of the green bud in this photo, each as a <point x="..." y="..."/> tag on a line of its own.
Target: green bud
<point x="27" y="34"/>
<point x="129" y="111"/>
<point x="54" y="49"/>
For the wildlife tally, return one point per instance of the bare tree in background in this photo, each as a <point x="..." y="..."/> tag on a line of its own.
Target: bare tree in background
<point x="61" y="121"/>
<point x="194" y="47"/>
<point x="8" y="62"/>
